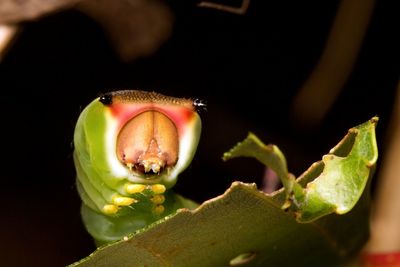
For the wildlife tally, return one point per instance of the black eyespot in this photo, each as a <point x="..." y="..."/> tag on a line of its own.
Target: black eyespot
<point x="199" y="105"/>
<point x="106" y="99"/>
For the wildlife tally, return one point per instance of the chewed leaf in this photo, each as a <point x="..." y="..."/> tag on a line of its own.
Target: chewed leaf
<point x="345" y="174"/>
<point x="242" y="227"/>
<point x="336" y="187"/>
<point x="269" y="155"/>
<point x="245" y="227"/>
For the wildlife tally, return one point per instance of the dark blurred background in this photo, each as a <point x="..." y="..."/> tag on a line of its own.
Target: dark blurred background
<point x="247" y="68"/>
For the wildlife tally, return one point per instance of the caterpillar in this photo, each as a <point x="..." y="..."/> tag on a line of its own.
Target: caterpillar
<point x="129" y="148"/>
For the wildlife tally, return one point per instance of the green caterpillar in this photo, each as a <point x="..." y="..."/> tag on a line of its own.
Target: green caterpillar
<point x="130" y="147"/>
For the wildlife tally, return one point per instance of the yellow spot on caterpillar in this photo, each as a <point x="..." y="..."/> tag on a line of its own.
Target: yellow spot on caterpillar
<point x="110" y="209"/>
<point x="158" y="209"/>
<point x="123" y="201"/>
<point x="158" y="199"/>
<point x="158" y="188"/>
<point x="134" y="188"/>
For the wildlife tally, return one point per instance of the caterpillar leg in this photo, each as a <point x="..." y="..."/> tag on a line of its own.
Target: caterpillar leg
<point x="105" y="228"/>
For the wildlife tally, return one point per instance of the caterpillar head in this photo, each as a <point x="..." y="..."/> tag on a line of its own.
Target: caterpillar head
<point x="129" y="138"/>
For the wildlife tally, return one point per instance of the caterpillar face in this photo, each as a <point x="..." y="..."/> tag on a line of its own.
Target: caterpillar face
<point x="130" y="147"/>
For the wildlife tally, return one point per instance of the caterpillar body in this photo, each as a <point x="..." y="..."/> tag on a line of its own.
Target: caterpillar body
<point x="130" y="147"/>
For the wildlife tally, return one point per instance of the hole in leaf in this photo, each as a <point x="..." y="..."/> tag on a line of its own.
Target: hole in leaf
<point x="243" y="258"/>
<point x="312" y="173"/>
<point x="345" y="145"/>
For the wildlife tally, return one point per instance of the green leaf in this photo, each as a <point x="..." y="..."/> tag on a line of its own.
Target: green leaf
<point x="246" y="227"/>
<point x="342" y="178"/>
<point x="269" y="155"/>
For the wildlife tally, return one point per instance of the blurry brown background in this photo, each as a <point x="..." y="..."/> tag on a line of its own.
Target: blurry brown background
<point x="248" y="68"/>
